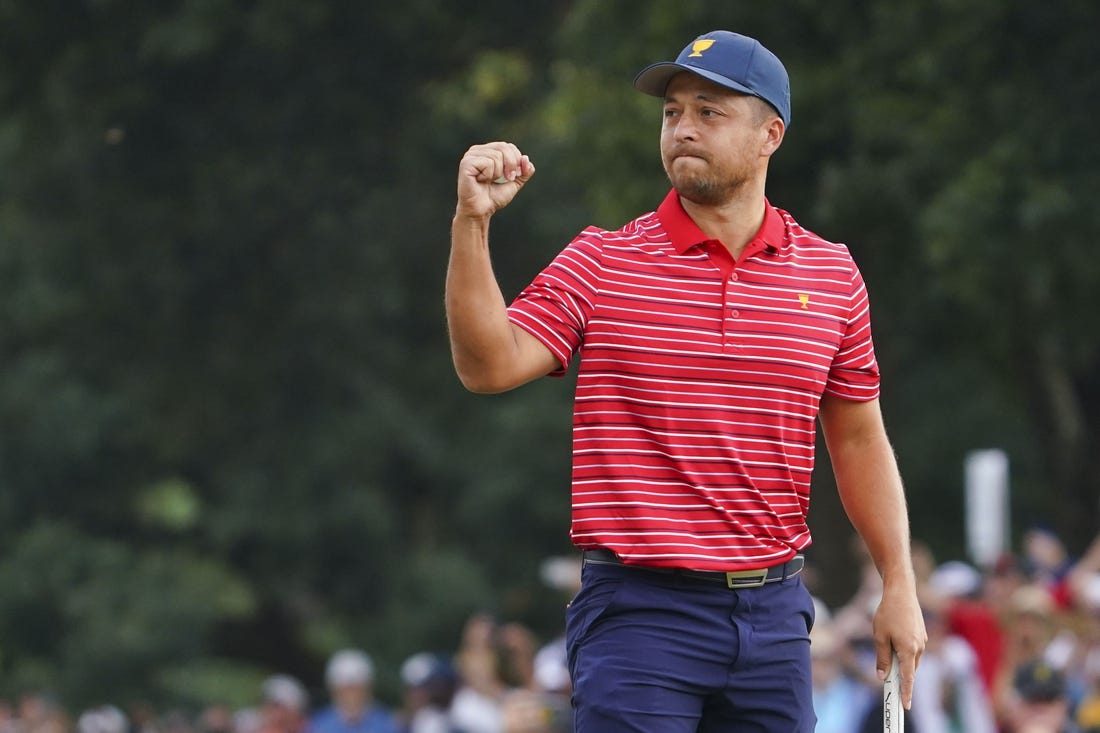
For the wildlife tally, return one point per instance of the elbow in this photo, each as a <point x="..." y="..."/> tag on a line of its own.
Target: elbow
<point x="480" y="381"/>
<point x="481" y="386"/>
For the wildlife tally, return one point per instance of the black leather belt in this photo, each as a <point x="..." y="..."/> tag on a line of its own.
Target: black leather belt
<point x="736" y="579"/>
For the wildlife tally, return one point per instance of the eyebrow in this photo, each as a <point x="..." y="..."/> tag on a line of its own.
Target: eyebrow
<point x="700" y="97"/>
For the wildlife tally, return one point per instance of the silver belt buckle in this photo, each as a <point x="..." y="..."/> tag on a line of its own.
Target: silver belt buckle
<point x="746" y="578"/>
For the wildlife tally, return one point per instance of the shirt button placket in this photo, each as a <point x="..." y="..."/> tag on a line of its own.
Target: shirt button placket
<point x="728" y="343"/>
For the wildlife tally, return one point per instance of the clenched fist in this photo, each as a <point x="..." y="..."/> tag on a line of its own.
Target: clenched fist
<point x="489" y="176"/>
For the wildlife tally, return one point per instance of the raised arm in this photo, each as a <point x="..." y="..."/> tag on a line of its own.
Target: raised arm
<point x="1083" y="575"/>
<point x="871" y="490"/>
<point x="490" y="353"/>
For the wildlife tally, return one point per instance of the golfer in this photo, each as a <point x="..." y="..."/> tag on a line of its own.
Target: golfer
<point x="712" y="334"/>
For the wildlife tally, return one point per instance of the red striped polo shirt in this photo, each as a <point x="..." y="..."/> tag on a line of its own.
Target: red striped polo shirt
<point x="699" y="382"/>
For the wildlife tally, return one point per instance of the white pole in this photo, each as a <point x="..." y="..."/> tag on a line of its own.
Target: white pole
<point x="987" y="511"/>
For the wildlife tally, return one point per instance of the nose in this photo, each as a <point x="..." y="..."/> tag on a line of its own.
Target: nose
<point x="684" y="129"/>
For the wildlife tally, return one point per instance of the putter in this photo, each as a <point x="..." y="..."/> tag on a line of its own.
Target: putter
<point x="893" y="714"/>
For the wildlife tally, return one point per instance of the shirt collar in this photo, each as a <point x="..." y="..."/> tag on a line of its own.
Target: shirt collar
<point x="684" y="233"/>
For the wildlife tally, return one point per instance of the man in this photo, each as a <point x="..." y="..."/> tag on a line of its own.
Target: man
<point x="284" y="705"/>
<point x="349" y="677"/>
<point x="712" y="333"/>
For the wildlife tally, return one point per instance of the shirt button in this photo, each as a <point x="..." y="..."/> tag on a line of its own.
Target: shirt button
<point x="735" y="313"/>
<point x="733" y="277"/>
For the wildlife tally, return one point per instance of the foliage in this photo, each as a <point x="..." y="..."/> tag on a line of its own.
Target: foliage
<point x="233" y="440"/>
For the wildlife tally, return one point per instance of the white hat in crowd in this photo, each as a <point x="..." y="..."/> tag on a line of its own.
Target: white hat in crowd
<point x="103" y="719"/>
<point x="349" y="668"/>
<point x="955" y="579"/>
<point x="282" y="689"/>
<point x="1090" y="591"/>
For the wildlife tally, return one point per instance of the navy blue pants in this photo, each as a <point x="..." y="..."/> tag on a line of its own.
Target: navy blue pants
<point x="656" y="653"/>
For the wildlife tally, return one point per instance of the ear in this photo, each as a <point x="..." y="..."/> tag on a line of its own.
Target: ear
<point x="773" y="129"/>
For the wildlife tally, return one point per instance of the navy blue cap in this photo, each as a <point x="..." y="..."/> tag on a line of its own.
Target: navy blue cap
<point x="731" y="60"/>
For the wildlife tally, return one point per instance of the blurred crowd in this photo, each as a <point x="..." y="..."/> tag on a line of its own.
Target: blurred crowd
<point x="500" y="680"/>
<point x="1013" y="648"/>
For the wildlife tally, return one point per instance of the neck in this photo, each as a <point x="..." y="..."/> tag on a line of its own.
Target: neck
<point x="353" y="712"/>
<point x="733" y="222"/>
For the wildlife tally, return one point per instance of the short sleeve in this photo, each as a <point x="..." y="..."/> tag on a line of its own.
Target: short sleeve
<point x="854" y="374"/>
<point x="556" y="306"/>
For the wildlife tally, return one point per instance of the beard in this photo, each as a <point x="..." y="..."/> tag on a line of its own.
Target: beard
<point x="706" y="187"/>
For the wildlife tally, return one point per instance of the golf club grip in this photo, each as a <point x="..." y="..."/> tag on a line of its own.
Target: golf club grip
<point x="893" y="714"/>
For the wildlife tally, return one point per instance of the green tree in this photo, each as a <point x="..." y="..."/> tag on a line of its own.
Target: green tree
<point x="974" y="161"/>
<point x="958" y="170"/>
<point x="233" y="440"/>
<point x="221" y="237"/>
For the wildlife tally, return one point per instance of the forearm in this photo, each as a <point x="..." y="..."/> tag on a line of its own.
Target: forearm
<point x="1083" y="571"/>
<point x="871" y="491"/>
<point x="482" y="338"/>
<point x="870" y="488"/>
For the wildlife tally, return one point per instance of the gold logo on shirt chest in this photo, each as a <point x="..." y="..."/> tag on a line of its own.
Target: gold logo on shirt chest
<point x="804" y="299"/>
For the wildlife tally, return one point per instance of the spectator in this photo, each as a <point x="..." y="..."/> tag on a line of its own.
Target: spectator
<point x="948" y="693"/>
<point x="516" y="648"/>
<point x="959" y="593"/>
<point x="349" y="678"/>
<point x="142" y="716"/>
<point x="284" y="706"/>
<point x="1038" y="701"/>
<point x="546" y="708"/>
<point x="1083" y="669"/>
<point x="247" y="720"/>
<point x="429" y="681"/>
<point x="1046" y="562"/>
<point x="1047" y="666"/>
<point x="552" y="668"/>
<point x="852" y="620"/>
<point x="39" y="712"/>
<point x="103" y="719"/>
<point x="1083" y="579"/>
<point x="1033" y="624"/>
<point x="550" y="664"/>
<point x="476" y="707"/>
<point x="1088" y="715"/>
<point x="1030" y="627"/>
<point x="532" y="711"/>
<point x="216" y="718"/>
<point x="840" y="699"/>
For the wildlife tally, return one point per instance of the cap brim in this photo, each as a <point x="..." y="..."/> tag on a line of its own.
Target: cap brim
<point x="654" y="79"/>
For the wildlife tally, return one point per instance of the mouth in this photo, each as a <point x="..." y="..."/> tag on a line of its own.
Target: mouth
<point x="688" y="155"/>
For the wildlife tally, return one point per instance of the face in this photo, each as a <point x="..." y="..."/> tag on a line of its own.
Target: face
<point x="714" y="141"/>
<point x="350" y="697"/>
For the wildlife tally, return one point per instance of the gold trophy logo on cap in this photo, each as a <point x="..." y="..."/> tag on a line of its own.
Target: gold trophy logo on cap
<point x="698" y="47"/>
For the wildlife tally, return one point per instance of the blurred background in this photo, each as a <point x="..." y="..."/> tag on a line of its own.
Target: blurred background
<point x="232" y="440"/>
